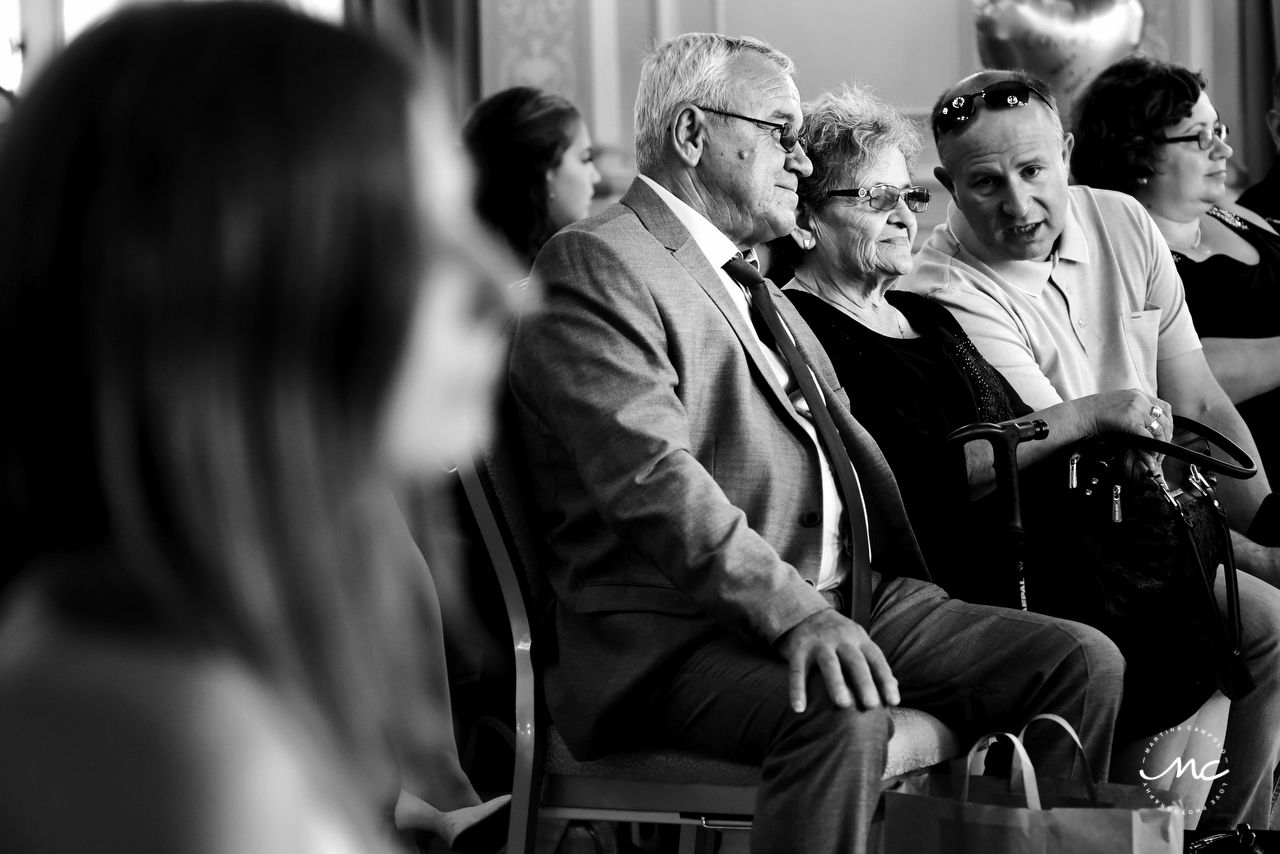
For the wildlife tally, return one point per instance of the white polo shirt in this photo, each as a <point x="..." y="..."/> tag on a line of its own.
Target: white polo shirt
<point x="718" y="249"/>
<point x="1096" y="316"/>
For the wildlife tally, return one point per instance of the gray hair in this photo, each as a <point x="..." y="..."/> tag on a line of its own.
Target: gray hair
<point x="845" y="131"/>
<point x="691" y="68"/>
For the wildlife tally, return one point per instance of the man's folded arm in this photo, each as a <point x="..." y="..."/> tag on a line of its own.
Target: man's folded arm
<point x="594" y="367"/>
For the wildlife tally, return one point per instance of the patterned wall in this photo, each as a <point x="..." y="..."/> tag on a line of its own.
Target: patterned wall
<point x="534" y="43"/>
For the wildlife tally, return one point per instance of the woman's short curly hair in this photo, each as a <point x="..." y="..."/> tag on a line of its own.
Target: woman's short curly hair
<point x="1121" y="117"/>
<point x="845" y="130"/>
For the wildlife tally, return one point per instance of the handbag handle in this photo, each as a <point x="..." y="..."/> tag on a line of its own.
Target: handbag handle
<point x="1090" y="786"/>
<point x="1242" y="469"/>
<point x="1022" y="769"/>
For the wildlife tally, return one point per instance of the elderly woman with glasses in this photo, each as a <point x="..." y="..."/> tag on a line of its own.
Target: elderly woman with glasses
<point x="913" y="375"/>
<point x="1148" y="128"/>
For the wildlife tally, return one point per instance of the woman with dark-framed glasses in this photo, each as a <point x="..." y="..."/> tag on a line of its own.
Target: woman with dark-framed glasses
<point x="1148" y="128"/>
<point x="913" y="375"/>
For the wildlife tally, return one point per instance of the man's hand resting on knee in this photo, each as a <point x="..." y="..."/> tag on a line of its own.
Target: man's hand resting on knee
<point x="845" y="654"/>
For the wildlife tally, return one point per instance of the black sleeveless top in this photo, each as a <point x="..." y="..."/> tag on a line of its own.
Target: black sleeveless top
<point x="909" y="394"/>
<point x="1231" y="299"/>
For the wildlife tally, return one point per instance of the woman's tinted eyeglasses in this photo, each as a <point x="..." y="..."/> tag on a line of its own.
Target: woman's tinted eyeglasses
<point x="1204" y="138"/>
<point x="998" y="96"/>
<point x="884" y="197"/>
<point x="787" y="136"/>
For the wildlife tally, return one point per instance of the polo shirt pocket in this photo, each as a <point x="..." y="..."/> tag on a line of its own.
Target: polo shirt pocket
<point x="1142" y="337"/>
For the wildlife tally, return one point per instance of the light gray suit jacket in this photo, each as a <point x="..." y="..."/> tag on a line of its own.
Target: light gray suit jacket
<point x="676" y="487"/>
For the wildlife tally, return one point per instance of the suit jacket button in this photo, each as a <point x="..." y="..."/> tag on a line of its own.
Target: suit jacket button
<point x="810" y="518"/>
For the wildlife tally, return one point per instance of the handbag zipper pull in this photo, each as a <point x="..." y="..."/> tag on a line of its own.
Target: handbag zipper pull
<point x="1115" y="503"/>
<point x="1071" y="470"/>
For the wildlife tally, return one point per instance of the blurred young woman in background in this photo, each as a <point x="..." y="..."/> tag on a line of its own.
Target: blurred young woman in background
<point x="239" y="289"/>
<point x="536" y="168"/>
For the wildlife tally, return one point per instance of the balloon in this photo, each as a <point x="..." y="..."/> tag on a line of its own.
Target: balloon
<point x="1066" y="43"/>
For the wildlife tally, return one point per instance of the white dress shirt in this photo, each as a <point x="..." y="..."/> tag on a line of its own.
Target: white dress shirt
<point x="718" y="249"/>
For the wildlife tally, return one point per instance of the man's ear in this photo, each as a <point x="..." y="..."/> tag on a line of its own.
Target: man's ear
<point x="944" y="178"/>
<point x="688" y="134"/>
<point x="1068" y="145"/>
<point x="1273" y="125"/>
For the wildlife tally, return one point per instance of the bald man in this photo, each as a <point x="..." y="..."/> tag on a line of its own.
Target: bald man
<point x="1071" y="291"/>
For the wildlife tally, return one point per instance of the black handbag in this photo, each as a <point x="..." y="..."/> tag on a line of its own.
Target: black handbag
<point x="1143" y="551"/>
<point x="1089" y="538"/>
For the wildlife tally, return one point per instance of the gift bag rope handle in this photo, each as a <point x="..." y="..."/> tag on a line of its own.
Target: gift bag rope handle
<point x="1090" y="786"/>
<point x="1243" y="468"/>
<point x="1022" y="768"/>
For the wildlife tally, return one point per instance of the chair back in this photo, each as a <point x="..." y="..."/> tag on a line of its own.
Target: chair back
<point x="496" y="491"/>
<point x="509" y="493"/>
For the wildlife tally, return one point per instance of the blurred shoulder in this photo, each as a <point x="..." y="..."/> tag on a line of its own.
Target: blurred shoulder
<point x="118" y="744"/>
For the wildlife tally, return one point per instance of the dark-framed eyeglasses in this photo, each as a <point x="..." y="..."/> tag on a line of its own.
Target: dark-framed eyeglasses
<point x="1204" y="138"/>
<point x="884" y="197"/>
<point x="787" y="135"/>
<point x="1004" y="95"/>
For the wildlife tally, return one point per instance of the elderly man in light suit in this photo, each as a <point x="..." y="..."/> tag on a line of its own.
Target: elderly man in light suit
<point x="714" y="514"/>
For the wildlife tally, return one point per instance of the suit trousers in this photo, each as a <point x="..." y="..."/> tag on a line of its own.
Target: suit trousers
<point x="977" y="668"/>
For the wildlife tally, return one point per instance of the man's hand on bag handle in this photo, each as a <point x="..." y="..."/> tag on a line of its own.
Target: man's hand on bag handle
<point x="847" y="658"/>
<point x="1132" y="411"/>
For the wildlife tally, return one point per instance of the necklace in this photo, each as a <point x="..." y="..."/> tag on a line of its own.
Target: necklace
<point x="1190" y="247"/>
<point x="867" y="317"/>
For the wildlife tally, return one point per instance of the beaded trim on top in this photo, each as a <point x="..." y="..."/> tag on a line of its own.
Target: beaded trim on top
<point x="1227" y="217"/>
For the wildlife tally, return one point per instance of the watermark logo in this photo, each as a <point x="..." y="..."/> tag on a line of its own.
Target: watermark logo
<point x="1185" y="759"/>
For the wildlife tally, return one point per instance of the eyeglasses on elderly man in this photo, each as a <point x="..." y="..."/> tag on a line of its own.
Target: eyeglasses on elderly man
<point x="787" y="135"/>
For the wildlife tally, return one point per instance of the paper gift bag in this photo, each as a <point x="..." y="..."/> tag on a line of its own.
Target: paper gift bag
<point x="945" y="814"/>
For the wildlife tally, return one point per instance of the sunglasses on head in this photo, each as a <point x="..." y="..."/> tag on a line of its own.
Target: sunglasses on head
<point x="884" y="197"/>
<point x="1204" y="138"/>
<point x="998" y="96"/>
<point x="788" y="136"/>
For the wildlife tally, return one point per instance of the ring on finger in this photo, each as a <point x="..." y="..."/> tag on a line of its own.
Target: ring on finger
<point x="1154" y="426"/>
<point x="1157" y="412"/>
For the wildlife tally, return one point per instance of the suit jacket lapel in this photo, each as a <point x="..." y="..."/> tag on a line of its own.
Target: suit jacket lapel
<point x="663" y="224"/>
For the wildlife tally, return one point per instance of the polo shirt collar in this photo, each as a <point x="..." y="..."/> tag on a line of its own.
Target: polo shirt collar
<point x="1028" y="276"/>
<point x="712" y="241"/>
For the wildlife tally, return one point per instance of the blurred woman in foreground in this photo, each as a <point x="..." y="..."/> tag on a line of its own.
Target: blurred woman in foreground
<point x="536" y="166"/>
<point x="238" y="289"/>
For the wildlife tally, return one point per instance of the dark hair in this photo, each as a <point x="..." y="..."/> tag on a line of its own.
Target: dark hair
<point x="515" y="137"/>
<point x="209" y="240"/>
<point x="1121" y="115"/>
